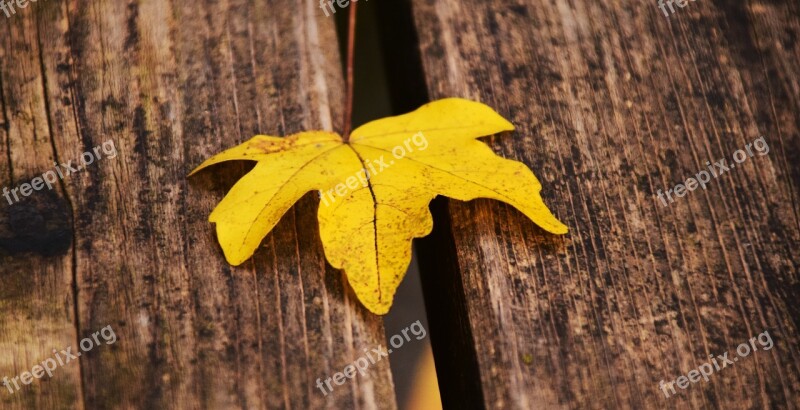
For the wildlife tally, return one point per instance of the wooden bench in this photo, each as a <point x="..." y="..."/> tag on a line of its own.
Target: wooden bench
<point x="612" y="101"/>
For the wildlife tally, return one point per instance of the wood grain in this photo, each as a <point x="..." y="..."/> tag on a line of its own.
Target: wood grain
<point x="613" y="102"/>
<point x="126" y="243"/>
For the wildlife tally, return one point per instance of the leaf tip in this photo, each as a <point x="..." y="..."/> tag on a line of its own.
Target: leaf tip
<point x="194" y="171"/>
<point x="201" y="167"/>
<point x="235" y="261"/>
<point x="555" y="226"/>
<point x="236" y="257"/>
<point x="380" y="309"/>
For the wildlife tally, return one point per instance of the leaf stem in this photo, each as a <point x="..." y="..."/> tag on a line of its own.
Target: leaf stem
<point x="351" y="43"/>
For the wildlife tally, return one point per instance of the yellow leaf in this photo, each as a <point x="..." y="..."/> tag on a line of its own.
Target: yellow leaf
<point x="375" y="189"/>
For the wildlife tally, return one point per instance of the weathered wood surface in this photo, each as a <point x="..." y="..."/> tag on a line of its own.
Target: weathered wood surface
<point x="612" y="102"/>
<point x="126" y="242"/>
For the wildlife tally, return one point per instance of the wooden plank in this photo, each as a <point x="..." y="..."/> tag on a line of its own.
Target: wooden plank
<point x="37" y="310"/>
<point x="614" y="102"/>
<point x="171" y="83"/>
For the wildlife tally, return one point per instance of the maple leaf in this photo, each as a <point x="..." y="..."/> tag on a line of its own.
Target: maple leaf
<point x="375" y="188"/>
